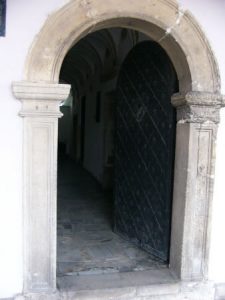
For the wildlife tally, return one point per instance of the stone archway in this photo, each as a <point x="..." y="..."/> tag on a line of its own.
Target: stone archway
<point x="176" y="31"/>
<point x="197" y="104"/>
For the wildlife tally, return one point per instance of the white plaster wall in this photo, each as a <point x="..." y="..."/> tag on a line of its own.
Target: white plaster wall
<point x="211" y="15"/>
<point x="24" y="20"/>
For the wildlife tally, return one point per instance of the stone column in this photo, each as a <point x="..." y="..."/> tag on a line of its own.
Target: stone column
<point x="197" y="121"/>
<point x="40" y="110"/>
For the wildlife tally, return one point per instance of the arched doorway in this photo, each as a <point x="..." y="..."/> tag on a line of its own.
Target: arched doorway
<point x="123" y="136"/>
<point x="197" y="114"/>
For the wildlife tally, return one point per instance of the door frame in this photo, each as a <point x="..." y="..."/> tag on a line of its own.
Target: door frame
<point x="198" y="104"/>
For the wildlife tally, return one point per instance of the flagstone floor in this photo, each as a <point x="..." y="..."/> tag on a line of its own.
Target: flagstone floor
<point x="86" y="243"/>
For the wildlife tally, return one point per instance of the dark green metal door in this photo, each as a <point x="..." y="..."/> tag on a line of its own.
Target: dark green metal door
<point x="144" y="149"/>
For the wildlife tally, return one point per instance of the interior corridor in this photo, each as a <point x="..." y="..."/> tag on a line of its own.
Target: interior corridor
<point x="86" y="243"/>
<point x="116" y="144"/>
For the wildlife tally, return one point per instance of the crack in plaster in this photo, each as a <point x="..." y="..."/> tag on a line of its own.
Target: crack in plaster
<point x="180" y="15"/>
<point x="90" y="11"/>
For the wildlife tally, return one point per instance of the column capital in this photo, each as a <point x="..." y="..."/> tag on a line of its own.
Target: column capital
<point x="198" y="107"/>
<point x="40" y="99"/>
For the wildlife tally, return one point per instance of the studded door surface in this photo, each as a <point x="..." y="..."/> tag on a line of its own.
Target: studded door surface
<point x="144" y="149"/>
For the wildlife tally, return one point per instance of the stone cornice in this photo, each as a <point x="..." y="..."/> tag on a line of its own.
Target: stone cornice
<point x="198" y="107"/>
<point x="40" y="99"/>
<point x="24" y="90"/>
<point x="198" y="98"/>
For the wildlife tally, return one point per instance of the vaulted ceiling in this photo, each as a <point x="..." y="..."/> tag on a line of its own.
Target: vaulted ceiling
<point x="98" y="56"/>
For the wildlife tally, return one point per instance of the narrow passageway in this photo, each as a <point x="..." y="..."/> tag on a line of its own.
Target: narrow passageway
<point x="86" y="243"/>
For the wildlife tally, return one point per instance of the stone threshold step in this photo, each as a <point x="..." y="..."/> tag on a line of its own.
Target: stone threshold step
<point x="119" y="285"/>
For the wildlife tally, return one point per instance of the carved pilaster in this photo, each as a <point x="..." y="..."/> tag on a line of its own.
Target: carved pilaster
<point x="197" y="121"/>
<point x="40" y="110"/>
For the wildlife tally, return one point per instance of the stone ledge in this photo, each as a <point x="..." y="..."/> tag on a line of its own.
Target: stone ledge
<point x="169" y="288"/>
<point x="137" y="279"/>
<point x="198" y="98"/>
<point x="40" y="99"/>
<point x="198" y="107"/>
<point x="25" y="90"/>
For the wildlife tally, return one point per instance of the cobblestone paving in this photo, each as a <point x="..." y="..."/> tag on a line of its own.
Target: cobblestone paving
<point x="86" y="243"/>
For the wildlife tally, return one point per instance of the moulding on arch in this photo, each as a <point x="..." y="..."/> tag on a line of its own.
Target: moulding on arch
<point x="176" y="31"/>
